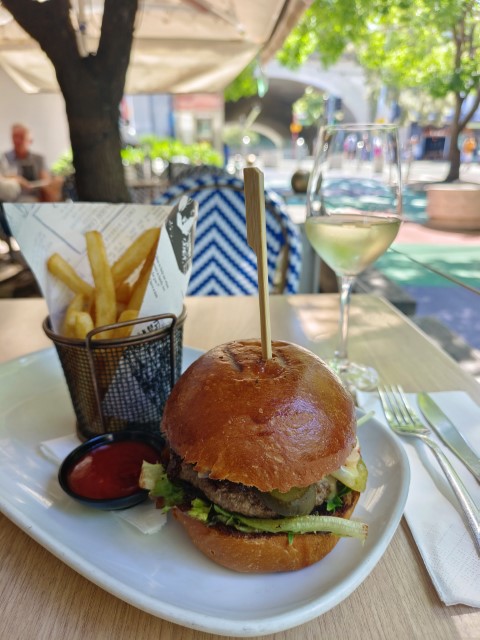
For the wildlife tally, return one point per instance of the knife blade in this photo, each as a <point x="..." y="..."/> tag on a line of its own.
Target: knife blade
<point x="448" y="433"/>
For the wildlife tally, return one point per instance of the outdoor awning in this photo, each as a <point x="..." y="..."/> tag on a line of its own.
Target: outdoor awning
<point x="180" y="46"/>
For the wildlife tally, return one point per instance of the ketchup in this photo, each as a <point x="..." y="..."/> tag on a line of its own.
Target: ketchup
<point x="111" y="470"/>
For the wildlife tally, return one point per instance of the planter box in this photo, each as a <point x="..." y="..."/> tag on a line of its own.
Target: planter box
<point x="454" y="206"/>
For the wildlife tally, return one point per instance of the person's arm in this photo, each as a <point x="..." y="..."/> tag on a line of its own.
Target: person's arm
<point x="9" y="189"/>
<point x="8" y="171"/>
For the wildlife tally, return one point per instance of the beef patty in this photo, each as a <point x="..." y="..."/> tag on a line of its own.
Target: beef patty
<point x="233" y="496"/>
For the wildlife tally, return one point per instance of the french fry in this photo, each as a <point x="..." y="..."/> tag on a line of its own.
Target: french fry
<point x="121" y="306"/>
<point x="60" y="268"/>
<point x="111" y="299"/>
<point x="134" y="255"/>
<point x="83" y="324"/>
<point x="140" y="286"/>
<point x="123" y="292"/>
<point x="105" y="303"/>
<point x="78" y="303"/>
<point x="124" y="332"/>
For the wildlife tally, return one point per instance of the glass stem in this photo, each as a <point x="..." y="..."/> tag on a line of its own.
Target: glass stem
<point x="346" y="284"/>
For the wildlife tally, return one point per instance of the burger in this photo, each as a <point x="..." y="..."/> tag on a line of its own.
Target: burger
<point x="262" y="464"/>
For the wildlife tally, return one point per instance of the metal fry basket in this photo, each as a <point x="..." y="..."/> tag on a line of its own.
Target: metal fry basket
<point x="118" y="384"/>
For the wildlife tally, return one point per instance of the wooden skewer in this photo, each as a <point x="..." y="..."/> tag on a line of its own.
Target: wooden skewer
<point x="257" y="240"/>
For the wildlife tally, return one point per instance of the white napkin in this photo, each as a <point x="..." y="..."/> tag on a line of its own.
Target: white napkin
<point x="143" y="516"/>
<point x="432" y="511"/>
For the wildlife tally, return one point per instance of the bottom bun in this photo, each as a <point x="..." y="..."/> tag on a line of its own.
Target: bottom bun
<point x="261" y="553"/>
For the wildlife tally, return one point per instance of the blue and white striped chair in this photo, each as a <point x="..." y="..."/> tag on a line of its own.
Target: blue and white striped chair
<point x="223" y="263"/>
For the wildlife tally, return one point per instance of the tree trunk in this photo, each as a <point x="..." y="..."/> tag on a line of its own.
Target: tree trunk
<point x="92" y="87"/>
<point x="455" y="130"/>
<point x="458" y="125"/>
<point x="93" y="118"/>
<point x="454" y="154"/>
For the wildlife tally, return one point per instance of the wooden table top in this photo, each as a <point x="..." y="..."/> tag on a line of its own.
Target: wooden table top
<point x="43" y="598"/>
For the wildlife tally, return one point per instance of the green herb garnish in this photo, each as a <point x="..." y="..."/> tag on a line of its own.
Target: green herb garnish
<point x="336" y="501"/>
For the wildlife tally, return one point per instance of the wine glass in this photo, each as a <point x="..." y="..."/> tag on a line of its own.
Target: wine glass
<point x="354" y="211"/>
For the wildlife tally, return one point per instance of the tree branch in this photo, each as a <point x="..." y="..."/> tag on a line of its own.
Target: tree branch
<point x="49" y="24"/>
<point x="469" y="114"/>
<point x="113" y="55"/>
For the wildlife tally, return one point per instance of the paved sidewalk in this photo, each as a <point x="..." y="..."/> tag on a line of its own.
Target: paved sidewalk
<point x="446" y="311"/>
<point x="425" y="171"/>
<point x="421" y="172"/>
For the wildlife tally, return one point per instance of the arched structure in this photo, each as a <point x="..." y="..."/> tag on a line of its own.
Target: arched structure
<point x="345" y="80"/>
<point x="268" y="132"/>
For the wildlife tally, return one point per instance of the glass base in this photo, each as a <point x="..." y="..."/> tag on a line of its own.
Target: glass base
<point x="355" y="376"/>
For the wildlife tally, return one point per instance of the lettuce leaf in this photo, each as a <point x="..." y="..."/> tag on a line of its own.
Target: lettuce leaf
<point x="213" y="514"/>
<point x="154" y="478"/>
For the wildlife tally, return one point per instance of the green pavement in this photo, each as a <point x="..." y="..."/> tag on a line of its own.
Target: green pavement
<point x="414" y="205"/>
<point x="460" y="262"/>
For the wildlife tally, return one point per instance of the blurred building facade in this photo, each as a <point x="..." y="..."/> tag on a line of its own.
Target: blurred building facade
<point x="202" y="117"/>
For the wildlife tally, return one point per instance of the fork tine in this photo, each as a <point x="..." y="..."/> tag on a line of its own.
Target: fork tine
<point x="407" y="409"/>
<point x="400" y="409"/>
<point x="394" y="406"/>
<point x="411" y="417"/>
<point x="388" y="407"/>
<point x="403" y="406"/>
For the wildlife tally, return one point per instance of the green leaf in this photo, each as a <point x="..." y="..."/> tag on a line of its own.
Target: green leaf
<point x="154" y="478"/>
<point x="336" y="501"/>
<point x="244" y="85"/>
<point x="297" y="525"/>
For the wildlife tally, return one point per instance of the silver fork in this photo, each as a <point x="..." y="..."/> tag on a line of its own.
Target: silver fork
<point x="403" y="420"/>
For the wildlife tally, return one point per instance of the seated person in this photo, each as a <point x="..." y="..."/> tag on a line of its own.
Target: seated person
<point x="27" y="168"/>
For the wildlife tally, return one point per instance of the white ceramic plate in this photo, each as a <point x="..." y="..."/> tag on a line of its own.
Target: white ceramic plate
<point x="162" y="573"/>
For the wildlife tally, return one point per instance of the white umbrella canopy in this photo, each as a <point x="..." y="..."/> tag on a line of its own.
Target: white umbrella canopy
<point x="180" y="46"/>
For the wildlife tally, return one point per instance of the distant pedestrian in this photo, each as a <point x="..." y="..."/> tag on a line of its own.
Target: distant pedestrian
<point x="350" y="146"/>
<point x="468" y="149"/>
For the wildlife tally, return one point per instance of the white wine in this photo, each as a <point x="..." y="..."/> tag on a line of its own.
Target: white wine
<point x="349" y="243"/>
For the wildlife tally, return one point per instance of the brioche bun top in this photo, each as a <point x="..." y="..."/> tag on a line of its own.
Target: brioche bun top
<point x="275" y="424"/>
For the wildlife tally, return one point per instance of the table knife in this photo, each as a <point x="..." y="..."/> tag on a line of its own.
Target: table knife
<point x="448" y="433"/>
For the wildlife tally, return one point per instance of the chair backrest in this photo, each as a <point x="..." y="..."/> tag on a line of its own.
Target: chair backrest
<point x="223" y="263"/>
